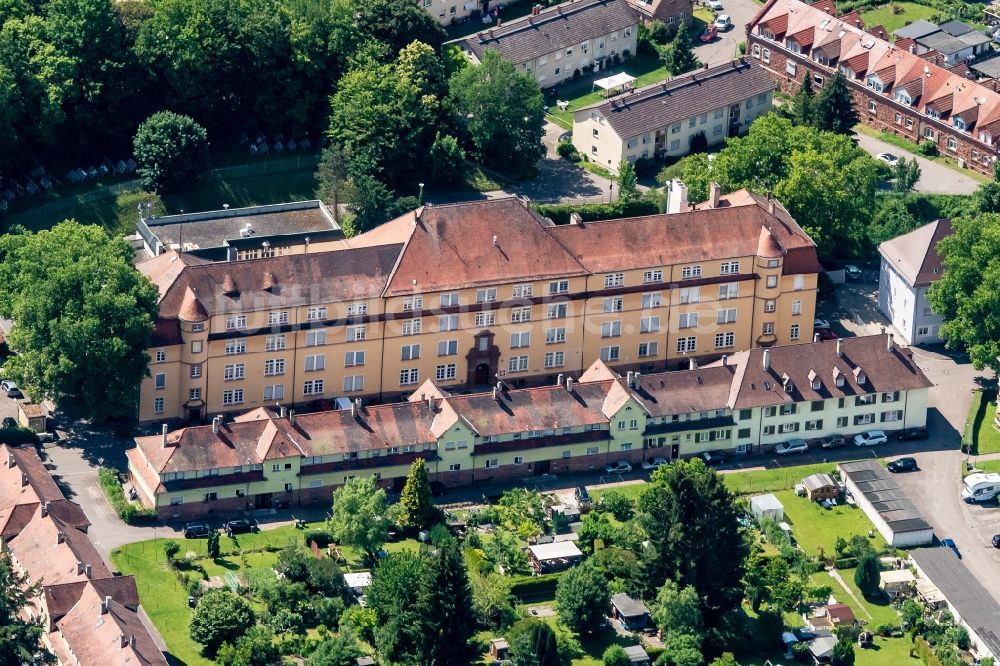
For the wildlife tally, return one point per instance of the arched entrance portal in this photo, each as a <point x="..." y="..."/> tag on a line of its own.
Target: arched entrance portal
<point x="482" y="374"/>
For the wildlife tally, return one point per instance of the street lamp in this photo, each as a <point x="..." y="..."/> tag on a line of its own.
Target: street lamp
<point x="420" y="197"/>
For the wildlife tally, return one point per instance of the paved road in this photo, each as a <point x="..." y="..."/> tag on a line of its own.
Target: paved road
<point x="935" y="178"/>
<point x="724" y="48"/>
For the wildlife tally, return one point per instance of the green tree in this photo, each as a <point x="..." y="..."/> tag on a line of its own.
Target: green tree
<point x="988" y="197"/>
<point x="213" y="543"/>
<point x="444" y="605"/>
<point x="254" y="648"/>
<point x="627" y="181"/>
<point x="358" y="516"/>
<point x="678" y="57"/>
<point x="533" y="643"/>
<point x="803" y="110"/>
<point x="337" y="650"/>
<point x="394" y="596"/>
<point x="891" y="219"/>
<point x="866" y="576"/>
<point x="82" y="318"/>
<point x="835" y="110"/>
<point x="615" y="655"/>
<point x="447" y="160"/>
<point x="170" y="549"/>
<point x="582" y="597"/>
<point x="220" y="617"/>
<point x="172" y="151"/>
<point x="843" y="652"/>
<point x="694" y="536"/>
<point x="397" y="23"/>
<point x="906" y="174"/>
<point x="492" y="600"/>
<point x="293" y="563"/>
<point x="681" y="649"/>
<point x="325" y="578"/>
<point x="416" y="501"/>
<point x="21" y="637"/>
<point x="677" y="609"/>
<point x="371" y="204"/>
<point x="334" y="177"/>
<point x="967" y="294"/>
<point x="725" y="659"/>
<point x="502" y="113"/>
<point x="505" y="552"/>
<point x="911" y="612"/>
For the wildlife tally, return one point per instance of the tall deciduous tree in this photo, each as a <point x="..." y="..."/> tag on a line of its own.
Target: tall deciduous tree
<point x="835" y="110"/>
<point x="677" y="609"/>
<point x="394" y="596"/>
<point x="20" y="638"/>
<point x="358" y="516"/>
<point x="445" y="604"/>
<point x="254" y="648"/>
<point x="615" y="655"/>
<point x="967" y="294"/>
<point x="82" y="317"/>
<point x="172" y="151"/>
<point x="396" y="23"/>
<point x="627" y="181"/>
<point x="582" y="596"/>
<point x="220" y="617"/>
<point x="338" y="650"/>
<point x="502" y="112"/>
<point x="416" y="500"/>
<point x="694" y="536"/>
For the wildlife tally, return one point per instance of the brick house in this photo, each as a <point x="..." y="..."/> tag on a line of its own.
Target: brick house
<point x="894" y="89"/>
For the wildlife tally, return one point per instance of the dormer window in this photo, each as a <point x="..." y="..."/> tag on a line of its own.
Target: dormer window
<point x="930" y="111"/>
<point x="875" y="83"/>
<point x="840" y="381"/>
<point x="814" y="380"/>
<point x="959" y="123"/>
<point x="860" y="375"/>
<point x="793" y="46"/>
<point x="838" y="378"/>
<point x="985" y="137"/>
<point x="903" y="97"/>
<point x="766" y="34"/>
<point x="849" y="73"/>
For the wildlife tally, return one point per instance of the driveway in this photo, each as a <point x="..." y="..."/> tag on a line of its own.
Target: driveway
<point x="935" y="178"/>
<point x="725" y="46"/>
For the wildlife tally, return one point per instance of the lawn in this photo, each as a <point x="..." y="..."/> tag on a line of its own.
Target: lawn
<point x="891" y="21"/>
<point x="988" y="465"/>
<point x="985" y="437"/>
<point x="815" y="527"/>
<point x="629" y="490"/>
<point x="769" y="480"/>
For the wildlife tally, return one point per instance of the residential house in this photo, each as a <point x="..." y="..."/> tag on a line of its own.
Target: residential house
<point x="742" y="403"/>
<point x="893" y="89"/>
<point x="948" y="44"/>
<point x="469" y="293"/>
<point x="671" y="12"/>
<point x="90" y="614"/>
<point x="910" y="265"/>
<point x="663" y="118"/>
<point x="563" y="42"/>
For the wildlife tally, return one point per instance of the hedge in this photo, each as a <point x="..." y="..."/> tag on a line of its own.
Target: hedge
<point x="529" y="589"/>
<point x="845" y="562"/>
<point x="925" y="652"/>
<point x="127" y="511"/>
<point x="559" y="213"/>
<point x="18" y="436"/>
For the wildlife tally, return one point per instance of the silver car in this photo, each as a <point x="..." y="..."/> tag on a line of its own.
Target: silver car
<point x="791" y="446"/>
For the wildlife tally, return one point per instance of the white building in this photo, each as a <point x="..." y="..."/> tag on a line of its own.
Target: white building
<point x="910" y="265"/>
<point x="885" y="504"/>
<point x="662" y="119"/>
<point x="558" y="43"/>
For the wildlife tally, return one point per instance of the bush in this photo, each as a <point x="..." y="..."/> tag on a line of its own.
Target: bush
<point x="559" y="213"/>
<point x="566" y="149"/>
<point x="845" y="562"/>
<point x="172" y="150"/>
<point x="801" y="652"/>
<point x="617" y="504"/>
<point x="927" y="148"/>
<point x="18" y="436"/>
<point x="320" y="536"/>
<point x="170" y="549"/>
<point x="127" y="511"/>
<point x="533" y="588"/>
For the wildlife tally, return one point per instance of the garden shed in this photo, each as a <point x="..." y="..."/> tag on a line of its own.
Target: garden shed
<point x="556" y="556"/>
<point x="767" y="506"/>
<point x="900" y="582"/>
<point x="820" y="487"/>
<point x="631" y="613"/>
<point x="637" y="654"/>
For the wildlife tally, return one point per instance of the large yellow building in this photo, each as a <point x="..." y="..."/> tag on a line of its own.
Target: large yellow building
<point x="464" y="294"/>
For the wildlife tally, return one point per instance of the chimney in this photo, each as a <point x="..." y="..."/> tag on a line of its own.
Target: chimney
<point x="677" y="199"/>
<point x="888" y="347"/>
<point x="770" y="205"/>
<point x="725" y="360"/>
<point x="430" y="402"/>
<point x="628" y="379"/>
<point x="569" y="384"/>
<point x="131" y="641"/>
<point x="45" y="505"/>
<point x="87" y="570"/>
<point x="354" y="411"/>
<point x="840" y="347"/>
<point x="713" y="195"/>
<point x="79" y="568"/>
<point x="499" y="386"/>
<point x="106" y="606"/>
<point x="575" y="218"/>
<point x="559" y="379"/>
<point x="24" y="479"/>
<point x="10" y="459"/>
<point x="767" y="359"/>
<point x="635" y="378"/>
<point x="291" y="417"/>
<point x="495" y="240"/>
<point x="215" y="425"/>
<point x="357" y="403"/>
<point x="283" y="411"/>
<point x="496" y="394"/>
<point x="123" y="642"/>
<point x="499" y="22"/>
<point x="60" y="537"/>
<point x="815" y="337"/>
<point x="163" y="431"/>
<point x="692" y="364"/>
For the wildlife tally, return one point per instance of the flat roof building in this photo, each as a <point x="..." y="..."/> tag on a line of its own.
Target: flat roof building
<point x="885" y="504"/>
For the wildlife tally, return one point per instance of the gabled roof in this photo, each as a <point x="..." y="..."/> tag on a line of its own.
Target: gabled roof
<point x="914" y="255"/>
<point x="917" y="29"/>
<point x="555" y="28"/>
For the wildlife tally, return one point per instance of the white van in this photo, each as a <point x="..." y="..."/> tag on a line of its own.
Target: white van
<point x="981" y="487"/>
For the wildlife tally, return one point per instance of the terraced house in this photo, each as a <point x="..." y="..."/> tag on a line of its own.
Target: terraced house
<point x="468" y="293"/>
<point x="740" y="403"/>
<point x="894" y="89"/>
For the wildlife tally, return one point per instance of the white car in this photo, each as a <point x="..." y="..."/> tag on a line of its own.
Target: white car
<point x="653" y="463"/>
<point x="620" y="467"/>
<point x="791" y="446"/>
<point x="10" y="388"/>
<point x="714" y="5"/>
<point x="820" y="323"/>
<point x="722" y="22"/>
<point x="870" y="438"/>
<point x="888" y="158"/>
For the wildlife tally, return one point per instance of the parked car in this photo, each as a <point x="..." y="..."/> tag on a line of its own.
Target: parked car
<point x="239" y="526"/>
<point x="791" y="446"/>
<point x="996" y="540"/>
<point x="10" y="388"/>
<point x="711" y="32"/>
<point x="903" y="465"/>
<point x="582" y="498"/>
<point x="714" y="457"/>
<point x="949" y="543"/>
<point x="714" y="5"/>
<point x="852" y="272"/>
<point x="722" y="22"/>
<point x="888" y="158"/>
<point x="907" y="434"/>
<point x="196" y="531"/>
<point x="820" y="323"/>
<point x="9" y="422"/>
<point x="832" y="442"/>
<point x="653" y="463"/>
<point x="825" y="334"/>
<point x="870" y="438"/>
<point x="438" y="489"/>
<point x="620" y="467"/>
